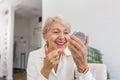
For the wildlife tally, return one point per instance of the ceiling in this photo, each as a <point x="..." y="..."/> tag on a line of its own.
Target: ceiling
<point x="25" y="8"/>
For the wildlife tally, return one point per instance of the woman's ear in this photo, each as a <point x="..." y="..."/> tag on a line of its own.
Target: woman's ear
<point x="46" y="40"/>
<point x="47" y="44"/>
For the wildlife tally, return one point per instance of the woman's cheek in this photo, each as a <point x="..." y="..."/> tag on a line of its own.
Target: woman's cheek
<point x="67" y="38"/>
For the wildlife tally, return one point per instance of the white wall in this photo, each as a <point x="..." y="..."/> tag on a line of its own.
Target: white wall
<point x="100" y="19"/>
<point x="35" y="34"/>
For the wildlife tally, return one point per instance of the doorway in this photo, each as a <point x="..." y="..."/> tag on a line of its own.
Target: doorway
<point x="27" y="37"/>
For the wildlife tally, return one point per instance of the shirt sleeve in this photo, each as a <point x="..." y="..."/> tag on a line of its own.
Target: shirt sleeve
<point x="32" y="72"/>
<point x="81" y="76"/>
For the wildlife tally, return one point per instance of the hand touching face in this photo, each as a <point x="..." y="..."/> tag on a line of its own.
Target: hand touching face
<point x="57" y="40"/>
<point x="79" y="50"/>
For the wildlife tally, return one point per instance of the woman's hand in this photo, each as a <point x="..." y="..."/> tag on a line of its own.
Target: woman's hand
<point x="79" y="50"/>
<point x="51" y="59"/>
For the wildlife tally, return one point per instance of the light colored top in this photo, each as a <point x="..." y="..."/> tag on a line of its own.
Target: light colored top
<point x="66" y="68"/>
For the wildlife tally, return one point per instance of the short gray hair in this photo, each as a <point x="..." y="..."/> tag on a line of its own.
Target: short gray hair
<point x="49" y="22"/>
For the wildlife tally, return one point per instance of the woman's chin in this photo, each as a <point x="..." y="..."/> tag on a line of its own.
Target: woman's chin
<point x="62" y="48"/>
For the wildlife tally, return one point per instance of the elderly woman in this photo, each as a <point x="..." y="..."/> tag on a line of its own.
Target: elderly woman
<point x="63" y="57"/>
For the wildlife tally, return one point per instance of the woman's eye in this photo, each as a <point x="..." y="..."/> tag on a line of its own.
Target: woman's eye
<point x="55" y="32"/>
<point x="66" y="32"/>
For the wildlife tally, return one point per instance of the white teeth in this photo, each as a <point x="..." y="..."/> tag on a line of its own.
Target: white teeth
<point x="60" y="43"/>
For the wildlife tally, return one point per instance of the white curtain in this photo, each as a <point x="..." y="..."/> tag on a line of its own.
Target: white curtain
<point x="3" y="43"/>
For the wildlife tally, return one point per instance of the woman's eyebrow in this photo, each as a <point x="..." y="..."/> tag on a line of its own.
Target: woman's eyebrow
<point x="55" y="29"/>
<point x="67" y="29"/>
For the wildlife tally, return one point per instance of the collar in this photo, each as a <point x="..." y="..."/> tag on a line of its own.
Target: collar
<point x="67" y="52"/>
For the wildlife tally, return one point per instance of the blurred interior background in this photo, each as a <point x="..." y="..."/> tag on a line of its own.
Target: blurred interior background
<point x="21" y="22"/>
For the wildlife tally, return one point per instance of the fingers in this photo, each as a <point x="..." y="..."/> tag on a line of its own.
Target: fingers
<point x="52" y="59"/>
<point x="84" y="45"/>
<point x="74" y="52"/>
<point x="78" y="55"/>
<point x="54" y="53"/>
<point x="46" y="50"/>
<point x="76" y="49"/>
<point x="74" y="44"/>
<point x="75" y="38"/>
<point x="78" y="44"/>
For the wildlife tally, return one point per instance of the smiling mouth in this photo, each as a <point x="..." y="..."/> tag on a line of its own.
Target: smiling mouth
<point x="60" y="43"/>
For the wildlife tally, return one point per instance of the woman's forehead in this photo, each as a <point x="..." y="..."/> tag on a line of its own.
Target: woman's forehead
<point x="57" y="26"/>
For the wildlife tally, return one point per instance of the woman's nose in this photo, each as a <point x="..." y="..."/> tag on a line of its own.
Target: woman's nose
<point x="61" y="36"/>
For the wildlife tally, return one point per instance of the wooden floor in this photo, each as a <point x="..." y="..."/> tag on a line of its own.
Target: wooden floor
<point x="18" y="75"/>
<point x="2" y="78"/>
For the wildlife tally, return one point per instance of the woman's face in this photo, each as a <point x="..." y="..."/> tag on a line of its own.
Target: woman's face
<point x="57" y="36"/>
